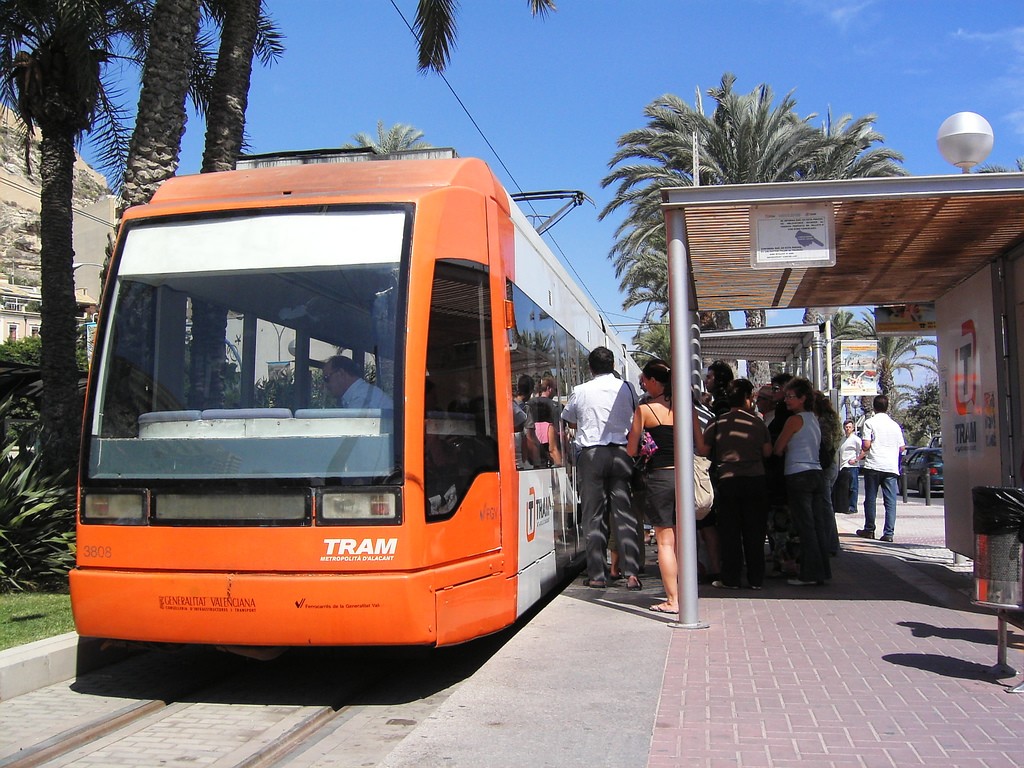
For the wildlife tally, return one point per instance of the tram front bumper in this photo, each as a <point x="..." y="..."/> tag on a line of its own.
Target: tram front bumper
<point x="255" y="609"/>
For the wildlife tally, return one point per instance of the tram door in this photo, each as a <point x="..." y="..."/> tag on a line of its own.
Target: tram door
<point x="460" y="426"/>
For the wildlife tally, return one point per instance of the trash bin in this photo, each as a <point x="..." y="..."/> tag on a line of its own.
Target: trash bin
<point x="998" y="547"/>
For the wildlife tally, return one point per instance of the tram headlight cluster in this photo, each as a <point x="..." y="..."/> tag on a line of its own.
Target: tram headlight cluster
<point x="124" y="508"/>
<point x="345" y="506"/>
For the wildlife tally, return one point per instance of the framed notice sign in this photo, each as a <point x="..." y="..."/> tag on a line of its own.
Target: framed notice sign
<point x="792" y="236"/>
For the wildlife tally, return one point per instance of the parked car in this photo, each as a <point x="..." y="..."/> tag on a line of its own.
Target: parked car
<point x="924" y="462"/>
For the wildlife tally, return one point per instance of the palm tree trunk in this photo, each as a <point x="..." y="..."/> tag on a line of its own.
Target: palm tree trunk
<point x="758" y="371"/>
<point x="61" y="408"/>
<point x="156" y="141"/>
<point x="206" y="373"/>
<point x="715" y="321"/>
<point x="886" y="379"/>
<point x="225" y="122"/>
<point x="225" y="130"/>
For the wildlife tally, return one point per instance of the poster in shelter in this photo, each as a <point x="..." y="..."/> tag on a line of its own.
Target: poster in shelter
<point x="858" y="366"/>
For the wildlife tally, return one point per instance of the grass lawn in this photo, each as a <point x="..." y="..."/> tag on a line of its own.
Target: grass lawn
<point x="29" y="616"/>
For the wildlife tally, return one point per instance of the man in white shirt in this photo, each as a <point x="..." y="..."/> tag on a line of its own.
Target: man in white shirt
<point x="344" y="381"/>
<point x="881" y="447"/>
<point x="601" y="412"/>
<point x="844" y="492"/>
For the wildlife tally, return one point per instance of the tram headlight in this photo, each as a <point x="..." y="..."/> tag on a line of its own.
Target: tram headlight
<point x="346" y="506"/>
<point x="123" y="508"/>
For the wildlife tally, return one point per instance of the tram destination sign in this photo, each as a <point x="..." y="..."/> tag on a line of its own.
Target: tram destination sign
<point x="792" y="235"/>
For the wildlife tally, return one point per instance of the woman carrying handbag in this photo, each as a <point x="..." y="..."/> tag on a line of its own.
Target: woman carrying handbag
<point x="656" y="416"/>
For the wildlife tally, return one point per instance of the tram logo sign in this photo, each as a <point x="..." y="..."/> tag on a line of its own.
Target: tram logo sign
<point x="965" y="379"/>
<point x="207" y="603"/>
<point x="531" y="515"/>
<point x="356" y="550"/>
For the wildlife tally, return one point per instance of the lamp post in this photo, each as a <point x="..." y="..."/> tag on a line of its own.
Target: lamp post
<point x="965" y="139"/>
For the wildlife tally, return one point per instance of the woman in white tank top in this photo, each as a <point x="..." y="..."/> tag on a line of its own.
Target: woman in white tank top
<point x="800" y="443"/>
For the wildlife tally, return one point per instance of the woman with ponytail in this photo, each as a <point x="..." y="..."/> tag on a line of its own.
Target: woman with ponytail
<point x="657" y="417"/>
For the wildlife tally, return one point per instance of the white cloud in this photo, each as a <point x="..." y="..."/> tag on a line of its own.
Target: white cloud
<point x="1013" y="38"/>
<point x="841" y="13"/>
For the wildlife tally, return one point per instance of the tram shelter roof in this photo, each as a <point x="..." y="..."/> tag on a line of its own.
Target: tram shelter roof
<point x="897" y="239"/>
<point x="775" y="344"/>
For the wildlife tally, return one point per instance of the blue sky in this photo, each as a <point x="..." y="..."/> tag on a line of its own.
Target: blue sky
<point x="551" y="96"/>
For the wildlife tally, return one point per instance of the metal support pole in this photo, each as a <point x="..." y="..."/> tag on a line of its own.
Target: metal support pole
<point x="829" y="374"/>
<point x="682" y="386"/>
<point x="817" y="364"/>
<point x="1001" y="668"/>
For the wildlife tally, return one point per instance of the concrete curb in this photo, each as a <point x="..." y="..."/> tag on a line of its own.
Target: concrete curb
<point x="25" y="668"/>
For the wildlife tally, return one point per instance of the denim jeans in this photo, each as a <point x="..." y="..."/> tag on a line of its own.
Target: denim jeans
<point x="806" y="491"/>
<point x="873" y="479"/>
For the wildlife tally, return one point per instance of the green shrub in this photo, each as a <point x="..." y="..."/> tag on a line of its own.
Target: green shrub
<point x="37" y="518"/>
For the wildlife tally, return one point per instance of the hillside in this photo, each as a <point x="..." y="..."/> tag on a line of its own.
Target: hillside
<point x="19" y="201"/>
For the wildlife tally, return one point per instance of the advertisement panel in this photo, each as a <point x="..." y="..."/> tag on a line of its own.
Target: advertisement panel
<point x="858" y="368"/>
<point x="906" y="320"/>
<point x="968" y="389"/>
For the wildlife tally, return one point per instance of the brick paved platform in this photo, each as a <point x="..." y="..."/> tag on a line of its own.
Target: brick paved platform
<point x="888" y="665"/>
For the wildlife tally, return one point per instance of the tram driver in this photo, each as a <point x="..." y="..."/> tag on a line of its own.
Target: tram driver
<point x="345" y="382"/>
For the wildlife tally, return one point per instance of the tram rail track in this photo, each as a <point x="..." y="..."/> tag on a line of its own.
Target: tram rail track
<point x="222" y="711"/>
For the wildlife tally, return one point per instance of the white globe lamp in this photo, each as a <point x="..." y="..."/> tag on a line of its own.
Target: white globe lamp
<point x="965" y="139"/>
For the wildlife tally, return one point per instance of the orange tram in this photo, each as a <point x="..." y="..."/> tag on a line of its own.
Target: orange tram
<point x="231" y="493"/>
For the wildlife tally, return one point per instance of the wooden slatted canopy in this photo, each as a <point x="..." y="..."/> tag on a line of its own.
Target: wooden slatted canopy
<point x="774" y="344"/>
<point x="898" y="240"/>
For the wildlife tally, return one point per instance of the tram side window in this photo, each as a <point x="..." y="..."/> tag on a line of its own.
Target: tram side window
<point x="460" y="420"/>
<point x="535" y="354"/>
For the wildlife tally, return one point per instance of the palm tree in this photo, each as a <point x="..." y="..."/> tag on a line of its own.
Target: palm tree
<point x="644" y="278"/>
<point x="160" y="123"/>
<point x="397" y="138"/>
<point x="225" y="119"/>
<point x="436" y="29"/>
<point x="990" y="168"/>
<point x="895" y="353"/>
<point x="179" y="62"/>
<point x="54" y="55"/>
<point x="225" y="131"/>
<point x="847" y="152"/>
<point x="653" y="340"/>
<point x="746" y="139"/>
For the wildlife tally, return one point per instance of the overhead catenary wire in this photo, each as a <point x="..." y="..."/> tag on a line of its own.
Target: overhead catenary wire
<point x="554" y="243"/>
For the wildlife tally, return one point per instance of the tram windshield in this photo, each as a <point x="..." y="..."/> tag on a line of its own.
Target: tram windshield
<point x="256" y="345"/>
